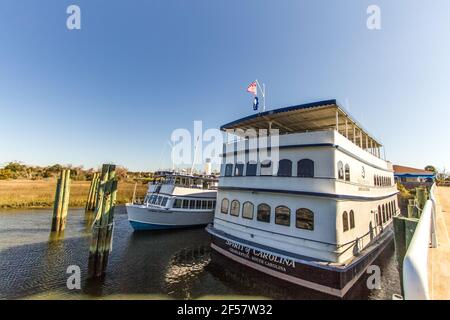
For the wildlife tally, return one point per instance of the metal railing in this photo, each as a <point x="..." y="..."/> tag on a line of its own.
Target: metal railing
<point x="415" y="263"/>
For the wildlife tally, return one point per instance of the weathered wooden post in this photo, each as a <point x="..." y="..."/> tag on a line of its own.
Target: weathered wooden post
<point x="403" y="231"/>
<point x="93" y="192"/>
<point x="104" y="222"/>
<point x="421" y="197"/>
<point x="61" y="204"/>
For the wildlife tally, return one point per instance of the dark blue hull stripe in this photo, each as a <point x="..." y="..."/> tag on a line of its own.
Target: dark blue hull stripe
<point x="307" y="193"/>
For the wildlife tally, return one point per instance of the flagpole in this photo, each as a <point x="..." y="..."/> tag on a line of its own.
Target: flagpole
<point x="263" y="92"/>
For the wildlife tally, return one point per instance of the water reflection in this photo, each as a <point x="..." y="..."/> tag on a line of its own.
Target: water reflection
<point x="175" y="264"/>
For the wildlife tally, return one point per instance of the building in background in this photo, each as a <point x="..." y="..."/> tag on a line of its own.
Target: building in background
<point x="413" y="177"/>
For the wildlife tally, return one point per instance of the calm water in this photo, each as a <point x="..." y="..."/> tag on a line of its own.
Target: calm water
<point x="175" y="264"/>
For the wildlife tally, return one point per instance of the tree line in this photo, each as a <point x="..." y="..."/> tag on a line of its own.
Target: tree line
<point x="18" y="170"/>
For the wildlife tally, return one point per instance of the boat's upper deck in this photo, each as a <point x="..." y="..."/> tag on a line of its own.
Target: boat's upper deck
<point x="317" y="116"/>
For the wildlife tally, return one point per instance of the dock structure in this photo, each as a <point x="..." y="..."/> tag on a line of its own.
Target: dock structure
<point x="91" y="202"/>
<point x="439" y="258"/>
<point x="61" y="204"/>
<point x="102" y="229"/>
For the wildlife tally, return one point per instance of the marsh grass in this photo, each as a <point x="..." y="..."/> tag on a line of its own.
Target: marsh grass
<point x="41" y="193"/>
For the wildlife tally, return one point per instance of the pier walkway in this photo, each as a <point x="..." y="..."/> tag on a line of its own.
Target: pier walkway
<point x="439" y="258"/>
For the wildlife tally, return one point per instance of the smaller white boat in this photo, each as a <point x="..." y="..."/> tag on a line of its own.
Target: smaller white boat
<point x="175" y="200"/>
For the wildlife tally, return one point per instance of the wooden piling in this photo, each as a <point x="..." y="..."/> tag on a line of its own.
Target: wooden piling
<point x="101" y="241"/>
<point x="93" y="193"/>
<point x="61" y="204"/>
<point x="421" y="196"/>
<point x="403" y="231"/>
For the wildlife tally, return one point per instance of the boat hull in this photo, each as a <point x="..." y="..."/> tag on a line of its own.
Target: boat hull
<point x="334" y="280"/>
<point x="147" y="218"/>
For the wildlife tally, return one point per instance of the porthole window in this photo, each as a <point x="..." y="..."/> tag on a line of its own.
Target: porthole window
<point x="304" y="219"/>
<point x="305" y="168"/>
<point x="224" y="206"/>
<point x="235" y="206"/>
<point x="340" y="168"/>
<point x="283" y="215"/>
<point x="247" y="210"/>
<point x="345" y="221"/>
<point x="239" y="169"/>
<point x="263" y="213"/>
<point x="352" y="219"/>
<point x="347" y="172"/>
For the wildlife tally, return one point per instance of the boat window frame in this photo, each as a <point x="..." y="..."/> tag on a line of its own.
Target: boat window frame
<point x="243" y="210"/>
<point x="222" y="206"/>
<point x="237" y="172"/>
<point x="347" y="172"/>
<point x="305" y="168"/>
<point x="351" y="216"/>
<point x="228" y="170"/>
<point x="284" y="168"/>
<point x="254" y="165"/>
<point x="305" y="216"/>
<point x="235" y="213"/>
<point x="345" y="224"/>
<point x="177" y="200"/>
<point x="258" y="215"/>
<point x="266" y="165"/>
<point x="340" y="170"/>
<point x="277" y="214"/>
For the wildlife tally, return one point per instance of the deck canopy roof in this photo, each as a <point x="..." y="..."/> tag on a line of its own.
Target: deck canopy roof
<point x="316" y="116"/>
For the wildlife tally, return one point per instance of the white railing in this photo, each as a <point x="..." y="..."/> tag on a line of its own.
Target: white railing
<point x="415" y="263"/>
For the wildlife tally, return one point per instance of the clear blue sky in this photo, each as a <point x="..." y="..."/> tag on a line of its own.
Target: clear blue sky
<point x="114" y="90"/>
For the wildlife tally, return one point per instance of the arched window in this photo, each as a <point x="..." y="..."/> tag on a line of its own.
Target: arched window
<point x="247" y="210"/>
<point x="285" y="168"/>
<point x="283" y="215"/>
<point x="266" y="168"/>
<point x="235" y="206"/>
<point x="380" y="221"/>
<point x="251" y="169"/>
<point x="383" y="207"/>
<point x="239" y="169"/>
<point x="228" y="170"/>
<point x="345" y="221"/>
<point x="347" y="172"/>
<point x="304" y="219"/>
<point x="340" y="169"/>
<point x="305" y="168"/>
<point x="376" y="219"/>
<point x="375" y="180"/>
<point x="263" y="213"/>
<point x="224" y="206"/>
<point x="352" y="219"/>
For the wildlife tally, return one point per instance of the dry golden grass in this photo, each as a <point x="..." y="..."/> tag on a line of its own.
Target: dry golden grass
<point x="41" y="193"/>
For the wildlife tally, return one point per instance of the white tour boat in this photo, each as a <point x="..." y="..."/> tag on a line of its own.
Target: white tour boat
<point x="323" y="216"/>
<point x="175" y="200"/>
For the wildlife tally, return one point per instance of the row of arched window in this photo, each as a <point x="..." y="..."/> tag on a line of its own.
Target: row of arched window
<point x="385" y="212"/>
<point x="345" y="220"/>
<point x="305" y="168"/>
<point x="382" y="181"/>
<point x="343" y="172"/>
<point x="304" y="217"/>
